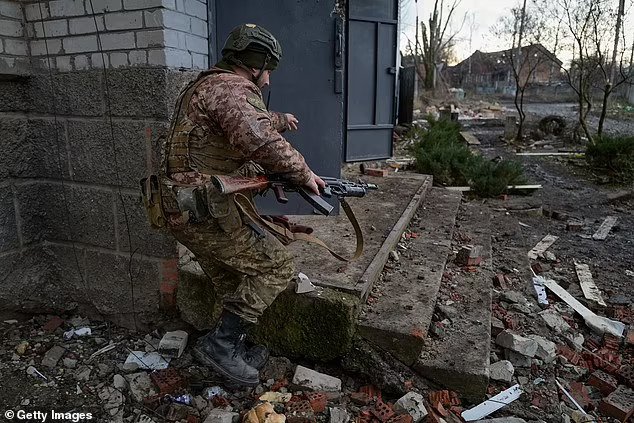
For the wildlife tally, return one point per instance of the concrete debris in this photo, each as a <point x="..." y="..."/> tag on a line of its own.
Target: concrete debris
<point x="604" y="382"/>
<point x="173" y="344"/>
<point x="503" y="420"/>
<point x="218" y="415"/>
<point x="338" y="415"/>
<point x="304" y="285"/>
<point x="550" y="257"/>
<point x="554" y="321"/>
<point x="598" y="324"/>
<point x="493" y="404"/>
<point x="514" y="297"/>
<point x="413" y="404"/>
<point x="141" y="386"/>
<point x="310" y="379"/>
<point x="517" y="359"/>
<point x="546" y="350"/>
<point x="82" y="374"/>
<point x="542" y="246"/>
<point x="147" y="360"/>
<point x="52" y="356"/>
<point x="119" y="382"/>
<point x="112" y="400"/>
<point x="394" y="255"/>
<point x="502" y="371"/>
<point x="576" y="340"/>
<point x="517" y="343"/>
<point x="570" y="397"/>
<point x="71" y="363"/>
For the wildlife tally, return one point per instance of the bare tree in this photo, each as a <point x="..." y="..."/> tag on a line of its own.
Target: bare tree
<point x="437" y="37"/>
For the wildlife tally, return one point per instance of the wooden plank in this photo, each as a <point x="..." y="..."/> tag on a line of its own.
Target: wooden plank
<point x="589" y="288"/>
<point x="510" y="187"/>
<point x="470" y="138"/>
<point x="542" y="246"/>
<point x="374" y="269"/>
<point x="605" y="228"/>
<point x="554" y="153"/>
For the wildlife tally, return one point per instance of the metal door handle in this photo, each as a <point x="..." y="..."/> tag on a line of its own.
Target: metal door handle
<point x="391" y="70"/>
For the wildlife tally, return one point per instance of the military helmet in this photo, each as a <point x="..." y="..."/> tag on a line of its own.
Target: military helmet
<point x="252" y="46"/>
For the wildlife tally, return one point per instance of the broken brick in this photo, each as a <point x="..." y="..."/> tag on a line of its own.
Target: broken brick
<point x="537" y="268"/>
<point x="282" y="383"/>
<point x="401" y="418"/>
<point x="580" y="393"/>
<point x="571" y="356"/>
<point x="371" y="391"/>
<point x="626" y="373"/>
<point x="299" y="412"/>
<point x="619" y="404"/>
<point x="220" y="401"/>
<point x="193" y="419"/>
<point x="372" y="171"/>
<point x="168" y="380"/>
<point x="318" y="401"/>
<point x="364" y="417"/>
<point x="382" y="411"/>
<point x="611" y="342"/>
<point x="469" y="255"/>
<point x="441" y="397"/>
<point x="360" y="398"/>
<point x="499" y="281"/>
<point x="630" y="337"/>
<point x="604" y="382"/>
<point x="574" y="225"/>
<point x="53" y="324"/>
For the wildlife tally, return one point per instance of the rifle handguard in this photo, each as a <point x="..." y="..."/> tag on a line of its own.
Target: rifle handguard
<point x="232" y="184"/>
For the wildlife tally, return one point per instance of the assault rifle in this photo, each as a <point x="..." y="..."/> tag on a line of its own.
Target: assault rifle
<point x="339" y="188"/>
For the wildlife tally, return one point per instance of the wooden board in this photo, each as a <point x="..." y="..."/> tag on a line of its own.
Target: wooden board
<point x="605" y="228"/>
<point x="589" y="288"/>
<point x="510" y="187"/>
<point x="542" y="246"/>
<point x="554" y="153"/>
<point x="470" y="138"/>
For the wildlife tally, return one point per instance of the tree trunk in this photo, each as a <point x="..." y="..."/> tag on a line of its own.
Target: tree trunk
<point x="604" y="108"/>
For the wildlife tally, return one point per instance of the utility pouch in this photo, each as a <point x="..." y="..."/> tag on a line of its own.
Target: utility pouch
<point x="223" y="208"/>
<point x="191" y="201"/>
<point x="151" y="194"/>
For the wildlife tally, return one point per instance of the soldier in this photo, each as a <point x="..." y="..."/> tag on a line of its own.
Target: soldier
<point x="221" y="126"/>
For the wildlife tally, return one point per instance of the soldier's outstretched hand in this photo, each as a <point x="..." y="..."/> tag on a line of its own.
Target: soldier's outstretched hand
<point x="291" y="121"/>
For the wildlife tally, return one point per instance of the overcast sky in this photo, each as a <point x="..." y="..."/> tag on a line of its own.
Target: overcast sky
<point x="486" y="14"/>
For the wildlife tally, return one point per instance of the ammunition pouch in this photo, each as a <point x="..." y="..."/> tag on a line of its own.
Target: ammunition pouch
<point x="223" y="209"/>
<point x="192" y="203"/>
<point x="151" y="194"/>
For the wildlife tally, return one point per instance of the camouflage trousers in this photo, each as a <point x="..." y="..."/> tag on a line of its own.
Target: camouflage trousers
<point x="251" y="269"/>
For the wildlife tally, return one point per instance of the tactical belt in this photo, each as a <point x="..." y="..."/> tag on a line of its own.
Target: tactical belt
<point x="247" y="207"/>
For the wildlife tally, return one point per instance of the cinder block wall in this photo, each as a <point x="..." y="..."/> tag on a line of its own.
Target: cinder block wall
<point x="79" y="117"/>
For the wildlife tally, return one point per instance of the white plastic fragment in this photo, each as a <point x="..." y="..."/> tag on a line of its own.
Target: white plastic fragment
<point x="148" y="360"/>
<point x="542" y="246"/>
<point x="598" y="324"/>
<point x="32" y="371"/>
<point x="173" y="343"/>
<point x="77" y="332"/>
<point x="304" y="285"/>
<point x="493" y="404"/>
<point x="538" y="284"/>
<point x="101" y="351"/>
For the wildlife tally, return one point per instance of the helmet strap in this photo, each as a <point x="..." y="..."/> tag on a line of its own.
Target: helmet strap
<point x="259" y="77"/>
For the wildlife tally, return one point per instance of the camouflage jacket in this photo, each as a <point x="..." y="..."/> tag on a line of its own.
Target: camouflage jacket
<point x="224" y="125"/>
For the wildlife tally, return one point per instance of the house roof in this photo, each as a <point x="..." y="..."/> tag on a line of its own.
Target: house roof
<point x="500" y="58"/>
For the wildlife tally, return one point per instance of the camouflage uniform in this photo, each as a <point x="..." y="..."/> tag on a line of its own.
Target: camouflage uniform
<point x="220" y="125"/>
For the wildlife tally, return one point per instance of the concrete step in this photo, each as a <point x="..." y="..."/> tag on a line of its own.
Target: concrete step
<point x="459" y="358"/>
<point x="400" y="308"/>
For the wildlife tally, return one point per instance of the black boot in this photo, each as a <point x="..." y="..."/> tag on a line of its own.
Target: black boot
<point x="222" y="349"/>
<point x="256" y="356"/>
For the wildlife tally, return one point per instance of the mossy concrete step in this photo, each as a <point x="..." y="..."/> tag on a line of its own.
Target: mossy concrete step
<point x="459" y="358"/>
<point x="398" y="317"/>
<point x="319" y="325"/>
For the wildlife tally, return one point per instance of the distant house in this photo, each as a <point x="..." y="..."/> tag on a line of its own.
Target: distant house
<point x="493" y="72"/>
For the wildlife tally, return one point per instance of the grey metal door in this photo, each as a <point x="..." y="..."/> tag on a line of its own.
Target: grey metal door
<point x="372" y="47"/>
<point x="307" y="82"/>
